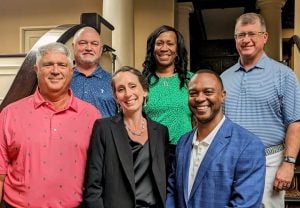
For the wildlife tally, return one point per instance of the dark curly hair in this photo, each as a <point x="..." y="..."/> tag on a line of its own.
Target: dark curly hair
<point x="150" y="65"/>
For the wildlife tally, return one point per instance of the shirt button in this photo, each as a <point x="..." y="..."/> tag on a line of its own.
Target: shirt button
<point x="54" y="129"/>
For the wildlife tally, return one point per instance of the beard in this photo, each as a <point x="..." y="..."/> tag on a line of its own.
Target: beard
<point x="87" y="62"/>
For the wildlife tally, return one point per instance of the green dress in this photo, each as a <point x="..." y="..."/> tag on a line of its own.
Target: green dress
<point x="168" y="105"/>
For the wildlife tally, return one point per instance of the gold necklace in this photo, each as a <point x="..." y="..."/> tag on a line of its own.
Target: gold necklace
<point x="138" y="132"/>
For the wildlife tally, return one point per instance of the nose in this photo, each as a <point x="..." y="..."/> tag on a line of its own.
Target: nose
<point x="88" y="47"/>
<point x="200" y="98"/>
<point x="128" y="93"/>
<point x="55" y="69"/>
<point x="164" y="47"/>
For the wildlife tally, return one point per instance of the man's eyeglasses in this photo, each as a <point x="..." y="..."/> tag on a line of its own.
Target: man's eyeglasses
<point x="251" y="34"/>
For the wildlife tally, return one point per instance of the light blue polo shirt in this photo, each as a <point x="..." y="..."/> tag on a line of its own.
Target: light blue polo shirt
<point x="264" y="99"/>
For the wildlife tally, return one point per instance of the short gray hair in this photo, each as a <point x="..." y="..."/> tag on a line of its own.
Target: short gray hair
<point x="251" y="18"/>
<point x="54" y="47"/>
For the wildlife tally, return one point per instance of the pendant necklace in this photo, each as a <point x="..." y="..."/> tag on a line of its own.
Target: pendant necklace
<point x="138" y="132"/>
<point x="165" y="83"/>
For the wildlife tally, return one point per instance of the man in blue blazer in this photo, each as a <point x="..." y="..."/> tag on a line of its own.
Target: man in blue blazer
<point x="219" y="163"/>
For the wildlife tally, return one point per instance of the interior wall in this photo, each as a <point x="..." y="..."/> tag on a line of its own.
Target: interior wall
<point x="31" y="13"/>
<point x="148" y="15"/>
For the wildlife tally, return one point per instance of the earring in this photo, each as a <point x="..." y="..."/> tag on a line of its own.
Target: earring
<point x="119" y="109"/>
<point x="145" y="101"/>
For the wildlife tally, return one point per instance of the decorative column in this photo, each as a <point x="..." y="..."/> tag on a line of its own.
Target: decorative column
<point x="296" y="52"/>
<point x="183" y="25"/>
<point x="120" y="15"/>
<point x="271" y="11"/>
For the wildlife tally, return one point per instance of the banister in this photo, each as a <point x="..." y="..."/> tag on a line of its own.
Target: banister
<point x="25" y="81"/>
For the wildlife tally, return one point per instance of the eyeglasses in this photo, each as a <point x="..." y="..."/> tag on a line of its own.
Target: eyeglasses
<point x="251" y="34"/>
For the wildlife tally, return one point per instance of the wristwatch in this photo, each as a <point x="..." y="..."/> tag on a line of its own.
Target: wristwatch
<point x="289" y="159"/>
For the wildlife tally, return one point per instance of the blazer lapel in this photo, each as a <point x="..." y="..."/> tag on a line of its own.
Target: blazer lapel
<point x="219" y="142"/>
<point x="186" y="165"/>
<point x="152" y="133"/>
<point x="154" y="142"/>
<point x="124" y="153"/>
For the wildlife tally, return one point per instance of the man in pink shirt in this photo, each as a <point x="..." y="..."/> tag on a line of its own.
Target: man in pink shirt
<point x="44" y="138"/>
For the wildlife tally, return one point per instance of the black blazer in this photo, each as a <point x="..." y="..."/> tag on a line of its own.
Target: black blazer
<point x="109" y="176"/>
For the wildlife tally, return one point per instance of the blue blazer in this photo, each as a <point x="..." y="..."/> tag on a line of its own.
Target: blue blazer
<point x="232" y="173"/>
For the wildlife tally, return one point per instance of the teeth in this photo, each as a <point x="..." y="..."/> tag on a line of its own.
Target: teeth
<point x="163" y="56"/>
<point x="202" y="107"/>
<point x="130" y="101"/>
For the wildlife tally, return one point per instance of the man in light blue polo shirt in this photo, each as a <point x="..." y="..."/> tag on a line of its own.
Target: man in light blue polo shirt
<point x="264" y="97"/>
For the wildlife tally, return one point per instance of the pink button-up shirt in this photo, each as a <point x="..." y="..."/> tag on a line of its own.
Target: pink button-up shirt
<point x="43" y="151"/>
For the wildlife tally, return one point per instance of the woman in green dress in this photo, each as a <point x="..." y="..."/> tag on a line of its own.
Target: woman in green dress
<point x="165" y="67"/>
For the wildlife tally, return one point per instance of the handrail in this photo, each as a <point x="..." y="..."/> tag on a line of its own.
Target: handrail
<point x="12" y="55"/>
<point x="25" y="81"/>
<point x="295" y="40"/>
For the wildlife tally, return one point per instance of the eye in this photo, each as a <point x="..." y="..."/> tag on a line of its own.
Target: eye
<point x="159" y="43"/>
<point x="48" y="64"/>
<point x="209" y="92"/>
<point x="252" y="34"/>
<point x="82" y="43"/>
<point x="95" y="43"/>
<point x="171" y="44"/>
<point x="132" y="86"/>
<point x="241" y="35"/>
<point x="64" y="65"/>
<point x="120" y="89"/>
<point x="192" y="94"/>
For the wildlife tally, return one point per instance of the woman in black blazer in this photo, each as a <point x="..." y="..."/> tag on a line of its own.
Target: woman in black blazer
<point x="126" y="164"/>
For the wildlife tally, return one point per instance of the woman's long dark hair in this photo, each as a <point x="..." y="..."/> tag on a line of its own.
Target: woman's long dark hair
<point x="180" y="63"/>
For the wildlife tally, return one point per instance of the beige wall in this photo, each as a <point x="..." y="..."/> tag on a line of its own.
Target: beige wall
<point x="30" y="13"/>
<point x="148" y="15"/>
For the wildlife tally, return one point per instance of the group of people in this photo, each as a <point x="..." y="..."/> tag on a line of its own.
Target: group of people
<point x="163" y="137"/>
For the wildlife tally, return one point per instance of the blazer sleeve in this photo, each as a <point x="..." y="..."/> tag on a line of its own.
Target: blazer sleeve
<point x="171" y="186"/>
<point x="249" y="181"/>
<point x="167" y="150"/>
<point x="171" y="183"/>
<point x="93" y="188"/>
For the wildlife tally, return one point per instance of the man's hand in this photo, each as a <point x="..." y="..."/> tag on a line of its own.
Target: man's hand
<point x="284" y="176"/>
<point x="2" y="177"/>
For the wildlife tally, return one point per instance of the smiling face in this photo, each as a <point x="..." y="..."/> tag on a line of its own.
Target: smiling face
<point x="54" y="73"/>
<point x="165" y="49"/>
<point x="250" y="48"/>
<point x="206" y="97"/>
<point x="129" y="92"/>
<point x="87" y="47"/>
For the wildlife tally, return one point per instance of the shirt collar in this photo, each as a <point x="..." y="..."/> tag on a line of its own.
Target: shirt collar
<point x="96" y="73"/>
<point x="209" y="138"/>
<point x="261" y="64"/>
<point x="39" y="101"/>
